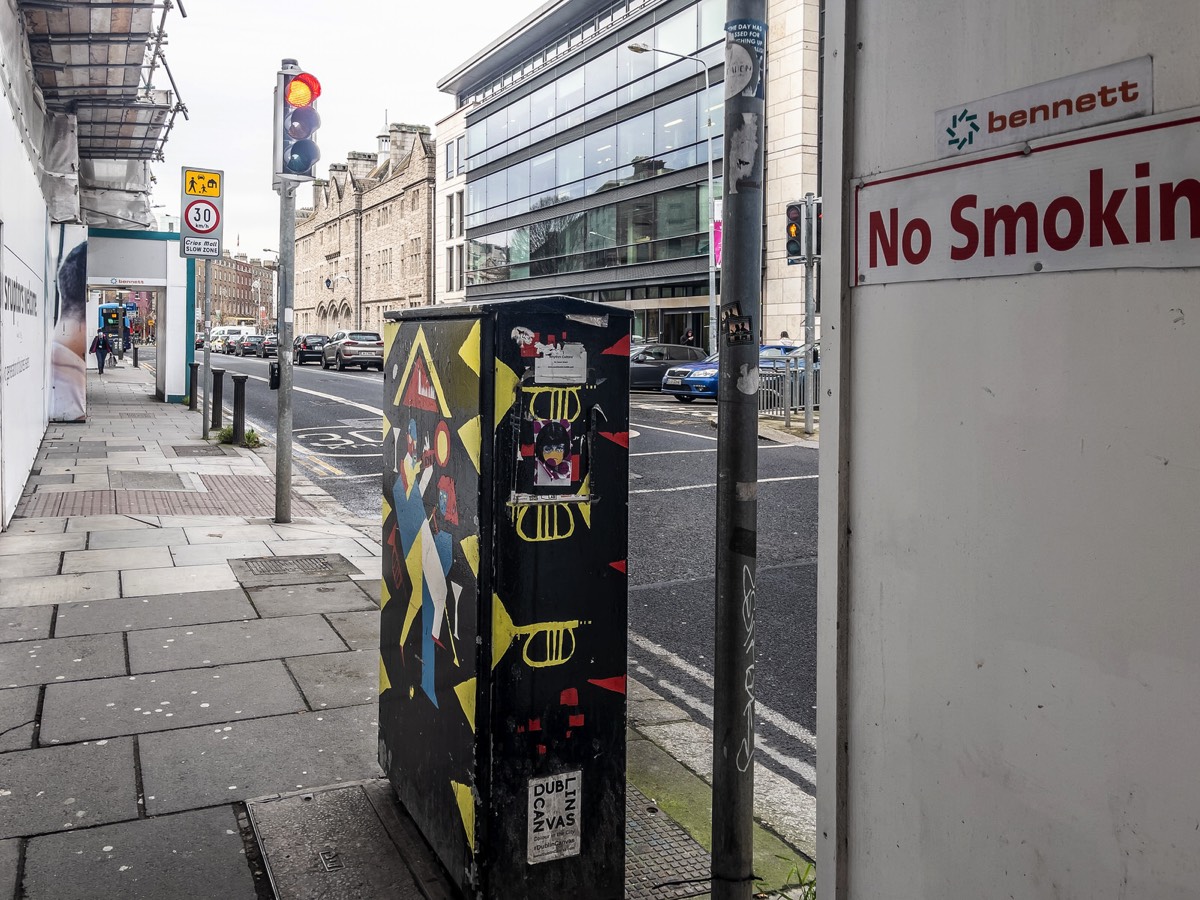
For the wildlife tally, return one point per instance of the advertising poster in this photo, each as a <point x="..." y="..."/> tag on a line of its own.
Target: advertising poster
<point x="68" y="341"/>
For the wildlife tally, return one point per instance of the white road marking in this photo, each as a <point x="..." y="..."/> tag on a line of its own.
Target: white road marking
<point x="784" y="724"/>
<point x="371" y="409"/>
<point x="703" y="450"/>
<point x="700" y="487"/>
<point x="353" y="477"/>
<point x="703" y="437"/>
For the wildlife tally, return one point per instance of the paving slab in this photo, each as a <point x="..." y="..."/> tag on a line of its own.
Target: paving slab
<point x="140" y="613"/>
<point x="198" y="521"/>
<point x="338" y="679"/>
<point x="265" y="756"/>
<point x="18" y="709"/>
<point x="147" y="582"/>
<point x="62" y="788"/>
<point x="344" y="545"/>
<point x="197" y="855"/>
<point x="10" y="852"/>
<point x="28" y="564"/>
<point x="360" y="630"/>
<point x="79" y="561"/>
<point x="38" y="525"/>
<point x="210" y="554"/>
<point x="220" y="534"/>
<point x="40" y="590"/>
<point x="45" y="542"/>
<point x="372" y="584"/>
<point x="25" y="623"/>
<point x="110" y="707"/>
<point x="146" y="480"/>
<point x="61" y="659"/>
<point x="135" y="537"/>
<point x="229" y="642"/>
<point x="110" y="523"/>
<point x="301" y="599"/>
<point x="311" y="531"/>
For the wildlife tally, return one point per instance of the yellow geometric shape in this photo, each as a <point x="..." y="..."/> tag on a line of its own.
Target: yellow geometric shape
<point x="385" y="683"/>
<point x="387" y="508"/>
<point x="201" y="183"/>
<point x="466" y="696"/>
<point x="469" y="351"/>
<point x="465" y="799"/>
<point x="506" y="384"/>
<point x="585" y="509"/>
<point x="471" y="436"/>
<point x="419" y="344"/>
<point x="470" y="549"/>
<point x="385" y="593"/>
<point x="412" y="562"/>
<point x="387" y="427"/>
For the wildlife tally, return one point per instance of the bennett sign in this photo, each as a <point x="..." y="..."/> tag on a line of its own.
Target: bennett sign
<point x="1120" y="196"/>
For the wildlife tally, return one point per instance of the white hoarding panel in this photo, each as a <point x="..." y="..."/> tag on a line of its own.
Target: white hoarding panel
<point x="1109" y="94"/>
<point x="1125" y="196"/>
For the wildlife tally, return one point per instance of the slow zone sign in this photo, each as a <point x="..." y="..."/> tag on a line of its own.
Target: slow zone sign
<point x="1118" y="196"/>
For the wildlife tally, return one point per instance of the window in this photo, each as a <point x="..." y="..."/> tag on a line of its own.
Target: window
<point x="450" y="217"/>
<point x="460" y="149"/>
<point x="458" y="208"/>
<point x="450" y="284"/>
<point x="449" y="159"/>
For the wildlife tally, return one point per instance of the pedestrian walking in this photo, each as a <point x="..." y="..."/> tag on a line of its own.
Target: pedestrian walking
<point x="101" y="347"/>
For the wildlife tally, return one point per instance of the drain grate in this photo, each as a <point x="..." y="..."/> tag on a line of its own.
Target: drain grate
<point x="314" y="568"/>
<point x="289" y="565"/>
<point x="198" y="450"/>
<point x="662" y="861"/>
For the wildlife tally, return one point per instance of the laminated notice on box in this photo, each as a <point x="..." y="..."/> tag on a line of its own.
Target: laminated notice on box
<point x="554" y="817"/>
<point x="560" y="364"/>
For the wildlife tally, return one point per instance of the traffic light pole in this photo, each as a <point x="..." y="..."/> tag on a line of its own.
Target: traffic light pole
<point x="737" y="452"/>
<point x="283" y="427"/>
<point x="206" y="378"/>
<point x="810" y="311"/>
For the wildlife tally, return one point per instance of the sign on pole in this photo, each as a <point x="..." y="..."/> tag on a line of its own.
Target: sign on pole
<point x="202" y="201"/>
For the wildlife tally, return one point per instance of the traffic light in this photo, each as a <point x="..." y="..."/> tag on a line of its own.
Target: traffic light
<point x="795" y="232"/>
<point x="296" y="121"/>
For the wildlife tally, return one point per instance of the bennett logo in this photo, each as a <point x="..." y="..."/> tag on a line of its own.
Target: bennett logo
<point x="1116" y="92"/>
<point x="1115" y="199"/>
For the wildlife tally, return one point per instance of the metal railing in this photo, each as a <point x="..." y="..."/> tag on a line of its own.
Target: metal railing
<point x="781" y="389"/>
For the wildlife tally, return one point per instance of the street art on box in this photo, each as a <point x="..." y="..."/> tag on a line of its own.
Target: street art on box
<point x="68" y="346"/>
<point x="503" y="631"/>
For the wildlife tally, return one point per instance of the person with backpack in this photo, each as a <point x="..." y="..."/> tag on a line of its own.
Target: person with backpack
<point x="101" y="347"/>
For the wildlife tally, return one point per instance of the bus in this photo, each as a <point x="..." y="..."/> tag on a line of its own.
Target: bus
<point x="116" y="325"/>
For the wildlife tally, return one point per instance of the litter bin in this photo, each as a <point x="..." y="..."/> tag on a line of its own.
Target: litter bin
<point x="503" y="626"/>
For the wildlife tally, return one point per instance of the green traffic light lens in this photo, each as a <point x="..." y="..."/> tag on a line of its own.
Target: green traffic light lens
<point x="302" y="123"/>
<point x="301" y="156"/>
<point x="794" y="248"/>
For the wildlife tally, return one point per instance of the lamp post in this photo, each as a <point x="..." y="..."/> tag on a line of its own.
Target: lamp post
<point x="712" y="201"/>
<point x="274" y="278"/>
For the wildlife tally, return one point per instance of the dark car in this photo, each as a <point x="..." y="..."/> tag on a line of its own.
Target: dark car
<point x="648" y="364"/>
<point x="247" y="345"/>
<point x="269" y="346"/>
<point x="353" y="348"/>
<point x="199" y="341"/>
<point x="306" y="347"/>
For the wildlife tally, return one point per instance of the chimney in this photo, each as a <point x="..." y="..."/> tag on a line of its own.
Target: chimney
<point x="360" y="164"/>
<point x="403" y="137"/>
<point x="318" y="186"/>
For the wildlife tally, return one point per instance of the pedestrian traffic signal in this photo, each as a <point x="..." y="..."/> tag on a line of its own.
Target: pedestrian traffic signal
<point x="296" y="121"/>
<point x="795" y="231"/>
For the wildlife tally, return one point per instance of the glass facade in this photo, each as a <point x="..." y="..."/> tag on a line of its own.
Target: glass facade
<point x="664" y="225"/>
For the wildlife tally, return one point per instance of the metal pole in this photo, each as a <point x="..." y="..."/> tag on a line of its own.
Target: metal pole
<point x="193" y="385"/>
<point x="207" y="348"/>
<point x="737" y="453"/>
<point x="712" y="225"/>
<point x="283" y="427"/>
<point x="218" y="397"/>
<point x="239" y="409"/>
<point x="810" y="330"/>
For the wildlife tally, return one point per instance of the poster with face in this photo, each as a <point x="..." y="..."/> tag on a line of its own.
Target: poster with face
<point x="552" y="452"/>
<point x="68" y="342"/>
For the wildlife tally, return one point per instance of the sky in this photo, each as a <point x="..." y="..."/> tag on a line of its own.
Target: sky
<point x="372" y="57"/>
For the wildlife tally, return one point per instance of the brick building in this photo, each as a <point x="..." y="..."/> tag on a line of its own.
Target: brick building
<point x="243" y="291"/>
<point x="364" y="246"/>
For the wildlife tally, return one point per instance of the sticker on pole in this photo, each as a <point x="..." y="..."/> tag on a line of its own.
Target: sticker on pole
<point x="202" y="199"/>
<point x="554" y="817"/>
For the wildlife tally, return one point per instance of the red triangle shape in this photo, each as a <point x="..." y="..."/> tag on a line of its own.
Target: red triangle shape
<point x="615" y="684"/>
<point x="619" y="565"/>
<point x="419" y="392"/>
<point x="620" y="348"/>
<point x="617" y="437"/>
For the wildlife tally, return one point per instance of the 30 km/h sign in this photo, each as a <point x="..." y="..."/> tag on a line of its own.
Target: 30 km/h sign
<point x="202" y="198"/>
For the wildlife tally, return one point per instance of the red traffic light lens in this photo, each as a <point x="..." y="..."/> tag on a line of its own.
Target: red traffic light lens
<point x="795" y="213"/>
<point x="302" y="90"/>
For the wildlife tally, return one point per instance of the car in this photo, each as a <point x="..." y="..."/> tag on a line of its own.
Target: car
<point x="306" y="347"/>
<point x="248" y="345"/>
<point x="353" y="348"/>
<point x="199" y="341"/>
<point x="648" y="364"/>
<point x="688" y="381"/>
<point x="269" y="346"/>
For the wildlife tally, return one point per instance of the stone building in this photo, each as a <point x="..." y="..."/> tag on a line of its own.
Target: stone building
<point x="364" y="247"/>
<point x="242" y="292"/>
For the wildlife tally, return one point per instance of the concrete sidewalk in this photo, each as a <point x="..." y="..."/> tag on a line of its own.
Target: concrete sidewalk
<point x="167" y="654"/>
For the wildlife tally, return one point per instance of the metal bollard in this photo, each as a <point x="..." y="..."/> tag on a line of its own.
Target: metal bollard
<point x="193" y="386"/>
<point x="218" y="388"/>
<point x="239" y="409"/>
<point x="135" y="355"/>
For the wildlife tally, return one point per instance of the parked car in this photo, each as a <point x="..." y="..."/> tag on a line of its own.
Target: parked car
<point x="306" y="347"/>
<point x="199" y="341"/>
<point x="688" y="381"/>
<point x="268" y="347"/>
<point x="353" y="348"/>
<point x="248" y="345"/>
<point x="649" y="363"/>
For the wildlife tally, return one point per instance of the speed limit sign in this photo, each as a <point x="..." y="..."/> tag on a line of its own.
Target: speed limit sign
<point x="202" y="202"/>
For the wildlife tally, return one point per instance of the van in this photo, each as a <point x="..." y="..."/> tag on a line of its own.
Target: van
<point x="223" y="336"/>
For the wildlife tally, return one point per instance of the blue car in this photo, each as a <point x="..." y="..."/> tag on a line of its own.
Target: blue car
<point x="688" y="381"/>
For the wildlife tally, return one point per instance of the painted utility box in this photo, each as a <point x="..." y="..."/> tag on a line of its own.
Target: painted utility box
<point x="503" y="627"/>
<point x="1008" y="673"/>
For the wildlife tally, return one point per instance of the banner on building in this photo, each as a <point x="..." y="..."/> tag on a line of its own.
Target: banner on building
<point x="68" y="342"/>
